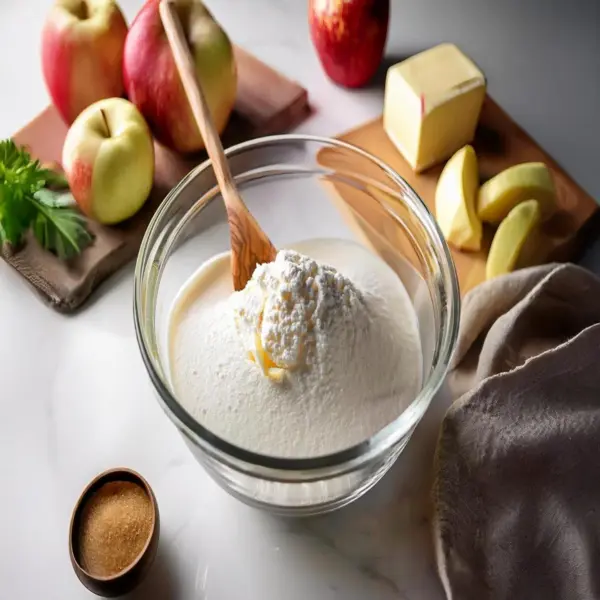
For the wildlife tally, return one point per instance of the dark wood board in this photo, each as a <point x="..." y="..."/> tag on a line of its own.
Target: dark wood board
<point x="267" y="103"/>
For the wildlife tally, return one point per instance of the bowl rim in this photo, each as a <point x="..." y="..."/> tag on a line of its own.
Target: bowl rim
<point x="342" y="461"/>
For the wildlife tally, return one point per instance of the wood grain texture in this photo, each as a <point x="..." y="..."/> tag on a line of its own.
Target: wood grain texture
<point x="499" y="143"/>
<point x="266" y="103"/>
<point x="250" y="245"/>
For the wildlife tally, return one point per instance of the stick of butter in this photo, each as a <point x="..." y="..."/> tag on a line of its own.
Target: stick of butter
<point x="432" y="104"/>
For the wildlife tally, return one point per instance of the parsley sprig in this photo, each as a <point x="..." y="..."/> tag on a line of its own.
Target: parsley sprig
<point x="29" y="200"/>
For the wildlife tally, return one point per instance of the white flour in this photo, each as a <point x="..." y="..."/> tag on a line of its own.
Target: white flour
<point x="293" y="310"/>
<point x="341" y="341"/>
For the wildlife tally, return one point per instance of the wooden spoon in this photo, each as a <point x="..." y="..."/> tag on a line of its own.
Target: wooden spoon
<point x="250" y="245"/>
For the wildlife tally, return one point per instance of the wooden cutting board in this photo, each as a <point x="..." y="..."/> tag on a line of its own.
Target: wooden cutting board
<point x="499" y="143"/>
<point x="267" y="103"/>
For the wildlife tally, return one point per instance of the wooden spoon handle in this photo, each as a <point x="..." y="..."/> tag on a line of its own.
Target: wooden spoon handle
<point x="193" y="89"/>
<point x="250" y="246"/>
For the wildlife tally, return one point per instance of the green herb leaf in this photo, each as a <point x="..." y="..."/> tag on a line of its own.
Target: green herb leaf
<point x="61" y="230"/>
<point x="55" y="180"/>
<point x="20" y="178"/>
<point x="16" y="214"/>
<point x="55" y="199"/>
<point x="26" y="202"/>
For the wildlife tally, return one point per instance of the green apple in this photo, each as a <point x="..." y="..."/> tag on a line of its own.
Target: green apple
<point x="108" y="158"/>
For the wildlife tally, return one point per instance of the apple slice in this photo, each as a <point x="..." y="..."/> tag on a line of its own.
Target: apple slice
<point x="499" y="195"/>
<point x="455" y="198"/>
<point x="512" y="236"/>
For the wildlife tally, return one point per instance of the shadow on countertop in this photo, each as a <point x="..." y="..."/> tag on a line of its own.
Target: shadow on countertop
<point x="160" y="584"/>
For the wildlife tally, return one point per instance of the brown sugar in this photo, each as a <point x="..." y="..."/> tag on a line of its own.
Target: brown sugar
<point x="116" y="522"/>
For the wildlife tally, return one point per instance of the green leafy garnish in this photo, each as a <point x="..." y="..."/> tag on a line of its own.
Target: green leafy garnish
<point x="55" y="199"/>
<point x="56" y="181"/>
<point x="61" y="230"/>
<point x="26" y="202"/>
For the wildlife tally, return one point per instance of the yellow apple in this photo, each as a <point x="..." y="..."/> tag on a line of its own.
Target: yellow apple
<point x="455" y="198"/>
<point x="511" y="238"/>
<point x="108" y="158"/>
<point x="499" y="195"/>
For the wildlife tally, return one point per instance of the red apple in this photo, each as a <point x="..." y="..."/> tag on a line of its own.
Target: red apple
<point x="152" y="81"/>
<point x="349" y="36"/>
<point x="82" y="54"/>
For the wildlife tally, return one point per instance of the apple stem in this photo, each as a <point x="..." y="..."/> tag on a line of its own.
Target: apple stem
<point x="105" y="122"/>
<point x="82" y="10"/>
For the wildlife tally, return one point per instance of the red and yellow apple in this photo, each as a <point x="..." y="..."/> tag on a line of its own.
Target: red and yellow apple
<point x="82" y="54"/>
<point x="349" y="36"/>
<point x="152" y="81"/>
<point x="108" y="158"/>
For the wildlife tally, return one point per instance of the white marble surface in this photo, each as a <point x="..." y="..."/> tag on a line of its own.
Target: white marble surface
<point x="75" y="396"/>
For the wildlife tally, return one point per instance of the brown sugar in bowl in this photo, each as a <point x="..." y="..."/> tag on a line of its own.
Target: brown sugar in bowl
<point x="123" y="501"/>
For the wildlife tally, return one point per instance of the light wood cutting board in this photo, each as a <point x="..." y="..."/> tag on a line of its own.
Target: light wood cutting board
<point x="267" y="102"/>
<point x="499" y="143"/>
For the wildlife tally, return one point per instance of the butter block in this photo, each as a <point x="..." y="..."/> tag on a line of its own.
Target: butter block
<point x="432" y="104"/>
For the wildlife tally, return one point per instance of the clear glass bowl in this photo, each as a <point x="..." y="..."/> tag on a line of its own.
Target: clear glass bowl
<point x="299" y="187"/>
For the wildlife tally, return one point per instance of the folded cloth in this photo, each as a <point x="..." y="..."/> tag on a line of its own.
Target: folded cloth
<point x="517" y="486"/>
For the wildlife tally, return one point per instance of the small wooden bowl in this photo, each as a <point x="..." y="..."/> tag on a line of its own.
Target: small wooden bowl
<point x="126" y="580"/>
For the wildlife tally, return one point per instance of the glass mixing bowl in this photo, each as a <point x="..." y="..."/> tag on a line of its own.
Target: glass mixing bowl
<point x="299" y="187"/>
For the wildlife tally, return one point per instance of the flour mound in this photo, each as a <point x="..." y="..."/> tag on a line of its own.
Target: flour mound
<point x="291" y="310"/>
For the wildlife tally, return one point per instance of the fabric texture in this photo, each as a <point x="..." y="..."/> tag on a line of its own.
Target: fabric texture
<point x="517" y="487"/>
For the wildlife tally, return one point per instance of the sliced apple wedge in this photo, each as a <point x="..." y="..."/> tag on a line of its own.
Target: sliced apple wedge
<point x="455" y="198"/>
<point x="511" y="238"/>
<point x="498" y="196"/>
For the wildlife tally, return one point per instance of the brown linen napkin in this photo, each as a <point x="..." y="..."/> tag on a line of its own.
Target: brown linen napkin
<point x="517" y="490"/>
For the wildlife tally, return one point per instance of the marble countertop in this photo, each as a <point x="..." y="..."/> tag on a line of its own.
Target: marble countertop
<point x="69" y="412"/>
